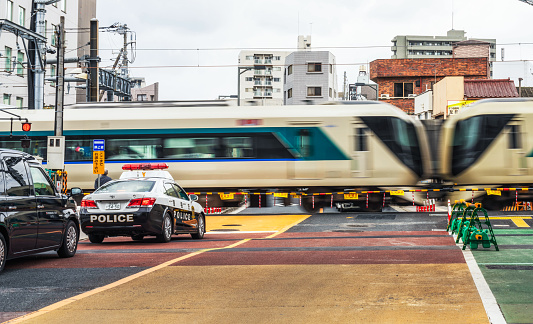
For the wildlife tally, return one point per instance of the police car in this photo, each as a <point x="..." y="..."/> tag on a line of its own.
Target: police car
<point x="145" y="201"/>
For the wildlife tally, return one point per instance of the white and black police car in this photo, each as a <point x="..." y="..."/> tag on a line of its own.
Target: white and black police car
<point x="145" y="201"/>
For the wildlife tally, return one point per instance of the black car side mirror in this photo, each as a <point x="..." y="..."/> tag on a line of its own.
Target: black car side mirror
<point x="76" y="191"/>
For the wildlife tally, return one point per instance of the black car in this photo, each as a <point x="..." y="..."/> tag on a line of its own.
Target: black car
<point x="34" y="217"/>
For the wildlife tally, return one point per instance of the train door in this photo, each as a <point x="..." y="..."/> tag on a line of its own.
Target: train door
<point x="360" y="152"/>
<point x="515" y="158"/>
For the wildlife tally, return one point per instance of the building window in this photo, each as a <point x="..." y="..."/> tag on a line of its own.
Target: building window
<point x="249" y="57"/>
<point x="403" y="89"/>
<point x="9" y="10"/>
<point x="20" y="102"/>
<point x="314" y="91"/>
<point x="277" y="58"/>
<point x="7" y="99"/>
<point x="248" y="79"/>
<point x="289" y="70"/>
<point x="64" y="5"/>
<point x="277" y="68"/>
<point x="142" y="97"/>
<point x="277" y="79"/>
<point x="289" y="93"/>
<point x="330" y="93"/>
<point x="8" y="59"/>
<point x="314" y="67"/>
<point x="20" y="67"/>
<point x="22" y="16"/>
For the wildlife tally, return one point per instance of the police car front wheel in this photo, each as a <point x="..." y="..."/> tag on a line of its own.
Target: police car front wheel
<point x="201" y="228"/>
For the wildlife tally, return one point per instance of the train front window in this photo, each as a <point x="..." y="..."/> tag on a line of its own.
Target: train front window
<point x="472" y="137"/>
<point x="400" y="137"/>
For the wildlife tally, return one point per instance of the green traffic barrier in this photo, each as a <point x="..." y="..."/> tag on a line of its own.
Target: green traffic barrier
<point x="464" y="224"/>
<point x="475" y="233"/>
<point x="454" y="221"/>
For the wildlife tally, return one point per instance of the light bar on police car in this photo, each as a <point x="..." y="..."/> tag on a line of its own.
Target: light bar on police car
<point x="145" y="166"/>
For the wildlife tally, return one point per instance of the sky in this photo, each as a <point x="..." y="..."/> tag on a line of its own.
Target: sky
<point x="191" y="47"/>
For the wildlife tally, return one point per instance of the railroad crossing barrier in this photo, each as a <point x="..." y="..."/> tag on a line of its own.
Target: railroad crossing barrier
<point x="519" y="206"/>
<point x="429" y="206"/>
<point x="213" y="210"/>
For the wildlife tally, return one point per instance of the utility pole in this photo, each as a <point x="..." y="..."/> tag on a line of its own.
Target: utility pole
<point x="94" y="88"/>
<point x="60" y="89"/>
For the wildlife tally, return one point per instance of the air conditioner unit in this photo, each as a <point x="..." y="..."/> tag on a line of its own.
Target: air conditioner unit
<point x="384" y="95"/>
<point x="411" y="95"/>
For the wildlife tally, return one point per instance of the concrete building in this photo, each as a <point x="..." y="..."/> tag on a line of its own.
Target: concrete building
<point x="310" y="77"/>
<point x="141" y="92"/>
<point x="14" y="62"/>
<point x="515" y="71"/>
<point x="261" y="77"/>
<point x="410" y="46"/>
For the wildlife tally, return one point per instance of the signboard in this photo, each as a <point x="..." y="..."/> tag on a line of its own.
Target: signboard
<point x="225" y="196"/>
<point x="98" y="156"/>
<point x="397" y="193"/>
<point x="281" y="194"/>
<point x="494" y="192"/>
<point x="351" y="196"/>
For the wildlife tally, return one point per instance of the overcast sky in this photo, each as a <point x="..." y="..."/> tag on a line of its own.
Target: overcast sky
<point x="191" y="47"/>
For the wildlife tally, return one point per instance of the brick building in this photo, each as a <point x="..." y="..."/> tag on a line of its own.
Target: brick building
<point x="400" y="80"/>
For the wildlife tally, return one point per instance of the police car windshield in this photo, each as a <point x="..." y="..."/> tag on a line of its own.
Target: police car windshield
<point x="127" y="186"/>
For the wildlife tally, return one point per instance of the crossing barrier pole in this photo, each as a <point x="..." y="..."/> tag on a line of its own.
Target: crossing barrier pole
<point x="206" y="201"/>
<point x="259" y="200"/>
<point x="367" y="200"/>
<point x="516" y="195"/>
<point x="331" y="201"/>
<point x="413" y="198"/>
<point x="383" y="200"/>
<point x="472" y="196"/>
<point x="300" y="200"/>
<point x="313" y="202"/>
<point x="449" y="211"/>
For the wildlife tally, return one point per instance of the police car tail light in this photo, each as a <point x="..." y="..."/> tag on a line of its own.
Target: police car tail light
<point x="145" y="166"/>
<point x="88" y="204"/>
<point x="142" y="202"/>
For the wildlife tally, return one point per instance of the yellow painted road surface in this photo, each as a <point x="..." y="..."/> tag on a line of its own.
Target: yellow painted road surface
<point x="299" y="292"/>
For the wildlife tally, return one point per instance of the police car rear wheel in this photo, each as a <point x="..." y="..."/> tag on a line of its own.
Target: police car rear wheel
<point x="96" y="238"/>
<point x="136" y="237"/>
<point x="201" y="228"/>
<point x="166" y="236"/>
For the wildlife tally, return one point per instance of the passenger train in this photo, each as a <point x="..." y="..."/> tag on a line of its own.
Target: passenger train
<point x="213" y="146"/>
<point x="490" y="144"/>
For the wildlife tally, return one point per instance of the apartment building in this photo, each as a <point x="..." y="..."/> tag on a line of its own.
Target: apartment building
<point x="310" y="77"/>
<point x="410" y="46"/>
<point x="261" y="77"/>
<point x="13" y="59"/>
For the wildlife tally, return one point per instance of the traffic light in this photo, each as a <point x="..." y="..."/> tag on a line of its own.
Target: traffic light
<point x="25" y="142"/>
<point x="26" y="127"/>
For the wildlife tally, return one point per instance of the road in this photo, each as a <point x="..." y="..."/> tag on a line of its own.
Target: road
<point x="281" y="267"/>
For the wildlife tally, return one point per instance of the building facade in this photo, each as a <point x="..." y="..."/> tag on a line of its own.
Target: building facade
<point x="411" y="47"/>
<point x="310" y="77"/>
<point x="261" y="77"/>
<point x="13" y="60"/>
<point x="401" y="80"/>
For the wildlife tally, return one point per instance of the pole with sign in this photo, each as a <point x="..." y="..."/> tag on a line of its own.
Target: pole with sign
<point x="98" y="158"/>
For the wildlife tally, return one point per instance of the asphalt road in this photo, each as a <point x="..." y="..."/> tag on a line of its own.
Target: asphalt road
<point x="277" y="268"/>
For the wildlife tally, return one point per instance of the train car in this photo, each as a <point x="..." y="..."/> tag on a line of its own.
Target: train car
<point x="363" y="145"/>
<point x="490" y="144"/>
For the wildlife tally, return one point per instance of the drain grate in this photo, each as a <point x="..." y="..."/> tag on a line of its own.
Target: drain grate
<point x="508" y="267"/>
<point x="376" y="217"/>
<point x="354" y="225"/>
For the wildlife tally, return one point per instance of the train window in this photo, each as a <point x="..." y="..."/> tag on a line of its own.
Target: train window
<point x="360" y="140"/>
<point x="140" y="149"/>
<point x="304" y="142"/>
<point x="190" y="148"/>
<point x="472" y="137"/>
<point x="79" y="150"/>
<point x="37" y="146"/>
<point x="400" y="137"/>
<point x="239" y="147"/>
<point x="514" y="137"/>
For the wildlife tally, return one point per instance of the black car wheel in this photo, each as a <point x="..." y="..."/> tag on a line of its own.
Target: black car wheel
<point x="201" y="228"/>
<point x="166" y="234"/>
<point x="96" y="238"/>
<point x="70" y="241"/>
<point x="3" y="252"/>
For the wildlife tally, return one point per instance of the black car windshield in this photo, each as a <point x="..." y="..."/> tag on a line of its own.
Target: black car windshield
<point x="127" y="186"/>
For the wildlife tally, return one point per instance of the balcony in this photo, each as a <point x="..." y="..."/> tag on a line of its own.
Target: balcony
<point x="258" y="82"/>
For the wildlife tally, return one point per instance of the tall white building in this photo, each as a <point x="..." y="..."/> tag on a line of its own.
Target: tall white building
<point x="261" y="77"/>
<point x="13" y="60"/>
<point x="310" y="77"/>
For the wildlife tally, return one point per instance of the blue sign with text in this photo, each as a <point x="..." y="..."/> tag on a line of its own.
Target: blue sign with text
<point x="99" y="145"/>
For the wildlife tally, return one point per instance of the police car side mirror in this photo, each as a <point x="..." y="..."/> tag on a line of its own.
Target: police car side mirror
<point x="193" y="197"/>
<point x="76" y="191"/>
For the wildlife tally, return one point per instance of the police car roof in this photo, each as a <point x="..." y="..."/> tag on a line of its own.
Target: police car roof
<point x="141" y="174"/>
